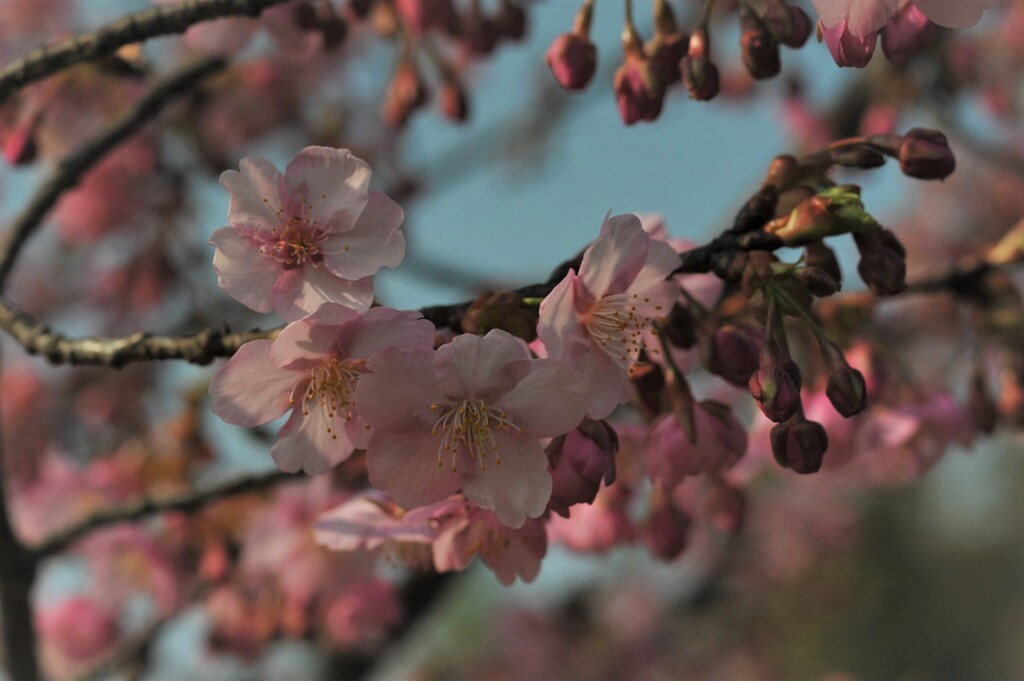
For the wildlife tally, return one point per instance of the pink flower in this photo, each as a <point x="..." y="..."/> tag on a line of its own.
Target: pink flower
<point x="720" y="442"/>
<point x="509" y="551"/>
<point x="314" y="235"/>
<point x="597" y="321"/>
<point x="469" y="416"/>
<point x="847" y="48"/>
<point x="312" y="369"/>
<point x="867" y="16"/>
<point x="79" y="627"/>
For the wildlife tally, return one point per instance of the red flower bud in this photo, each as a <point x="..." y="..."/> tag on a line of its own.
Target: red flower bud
<point x="818" y="281"/>
<point x="639" y="88"/>
<point x="846" y="48"/>
<point x="731" y="351"/>
<point x="925" y="154"/>
<point x="758" y="47"/>
<point x="908" y="32"/>
<point x="700" y="75"/>
<point x="847" y="391"/>
<point x="573" y="60"/>
<point x="818" y="255"/>
<point x="882" y="263"/>
<point x="790" y="24"/>
<point x="799" y="444"/>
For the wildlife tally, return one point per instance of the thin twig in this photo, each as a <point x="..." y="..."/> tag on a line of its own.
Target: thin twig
<point x="133" y="28"/>
<point x="191" y="500"/>
<point x="74" y="166"/>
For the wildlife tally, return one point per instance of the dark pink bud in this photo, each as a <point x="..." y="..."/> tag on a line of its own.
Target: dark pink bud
<point x="511" y="20"/>
<point x="818" y="281"/>
<point x="573" y="61"/>
<point x="454" y="105"/>
<point x="580" y="461"/>
<point x="700" y="75"/>
<point x="405" y="94"/>
<point x="882" y="263"/>
<point x="758" y="47"/>
<point x="790" y="24"/>
<point x="908" y="32"/>
<point x="925" y="154"/>
<point x="818" y="255"/>
<point x="639" y="90"/>
<point x="667" y="531"/>
<point x="847" y="391"/>
<point x="479" y="33"/>
<point x="846" y="48"/>
<point x="799" y="444"/>
<point x="776" y="392"/>
<point x="20" y="147"/>
<point x="666" y="52"/>
<point x="732" y="351"/>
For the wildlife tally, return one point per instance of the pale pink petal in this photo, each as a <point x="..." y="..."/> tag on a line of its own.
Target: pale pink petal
<point x="374" y="242"/>
<point x="518" y="487"/>
<point x="357" y="431"/>
<point x="250" y="389"/>
<point x="863" y="16"/>
<point x="522" y="554"/>
<point x="398" y="392"/>
<point x="449" y="549"/>
<point x="471" y="366"/>
<point x="255" y="194"/>
<point x="406" y="467"/>
<point x="605" y="382"/>
<point x="363" y="523"/>
<point x="327" y="185"/>
<point x="651" y="281"/>
<point x="561" y="329"/>
<point x="615" y="258"/>
<point x="548" y="401"/>
<point x="313" y="443"/>
<point x="954" y="13"/>
<point x="243" y="273"/>
<point x="301" y="291"/>
<point x="383" y="327"/>
<point x="309" y="340"/>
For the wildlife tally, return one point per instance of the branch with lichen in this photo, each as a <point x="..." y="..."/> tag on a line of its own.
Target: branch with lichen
<point x="133" y="28"/>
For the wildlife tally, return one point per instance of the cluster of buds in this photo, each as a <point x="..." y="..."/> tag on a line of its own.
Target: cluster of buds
<point x="762" y="36"/>
<point x="907" y="32"/>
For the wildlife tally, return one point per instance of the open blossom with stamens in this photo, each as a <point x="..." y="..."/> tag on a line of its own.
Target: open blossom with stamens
<point x="470" y="417"/>
<point x="598" y="320"/>
<point x="312" y="369"/>
<point x="315" y="234"/>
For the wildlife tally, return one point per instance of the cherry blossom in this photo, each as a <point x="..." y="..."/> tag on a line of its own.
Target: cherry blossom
<point x="313" y="235"/>
<point x="508" y="551"/>
<point x="598" y="320"/>
<point x="719" y="442"/>
<point x="864" y="17"/>
<point x="312" y="368"/>
<point x="467" y="417"/>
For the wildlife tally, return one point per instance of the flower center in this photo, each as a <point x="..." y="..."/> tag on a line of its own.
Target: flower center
<point x="330" y="389"/>
<point x="471" y="423"/>
<point x="618" y="323"/>
<point x="294" y="243"/>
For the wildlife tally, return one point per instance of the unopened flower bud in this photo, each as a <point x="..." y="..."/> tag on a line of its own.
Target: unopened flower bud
<point x="758" y="210"/>
<point x="777" y="394"/>
<point x="818" y="255"/>
<point x="511" y="20"/>
<point x="882" y="263"/>
<point x="925" y="154"/>
<point x="908" y="32"/>
<point x="782" y="172"/>
<point x="799" y="444"/>
<point x="847" y="391"/>
<point x="572" y="57"/>
<point x="848" y="49"/>
<point x="758" y="47"/>
<point x="731" y="351"/>
<point x="580" y="461"/>
<point x="811" y="220"/>
<point x="454" y="104"/>
<point x="669" y="45"/>
<point x="479" y="34"/>
<point x="818" y="281"/>
<point x="667" y="530"/>
<point x="405" y="94"/>
<point x="790" y="24"/>
<point x="639" y="84"/>
<point x="700" y="75"/>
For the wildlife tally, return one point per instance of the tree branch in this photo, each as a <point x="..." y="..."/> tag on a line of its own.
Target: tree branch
<point x="191" y="500"/>
<point x="133" y="28"/>
<point x="74" y="166"/>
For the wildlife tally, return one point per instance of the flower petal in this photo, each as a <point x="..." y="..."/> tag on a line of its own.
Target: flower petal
<point x="518" y="487"/>
<point x="300" y="292"/>
<point x="397" y="393"/>
<point x="250" y="390"/>
<point x="482" y="367"/>
<point x="954" y="13"/>
<point x="255" y="194"/>
<point x="374" y="242"/>
<point x="405" y="465"/>
<point x="243" y="273"/>
<point x="615" y="258"/>
<point x="383" y="327"/>
<point x="561" y="328"/>
<point x="314" y="337"/>
<point x="327" y="185"/>
<point x="605" y="382"/>
<point x="311" y="442"/>
<point x="548" y="402"/>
